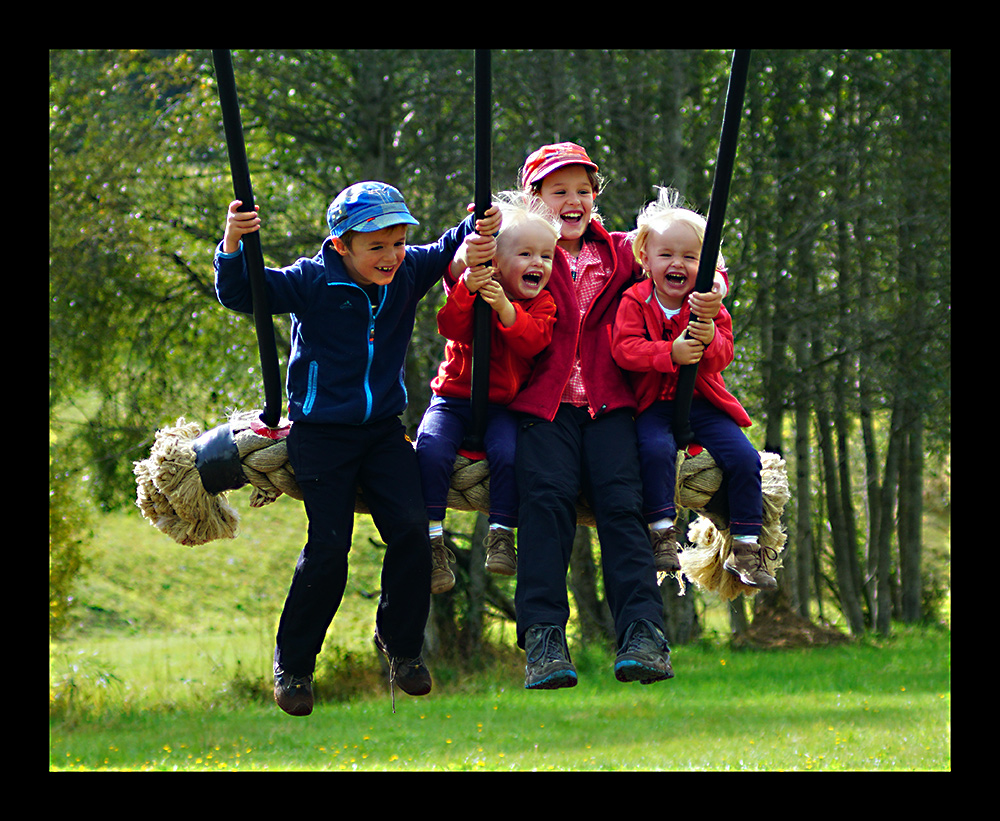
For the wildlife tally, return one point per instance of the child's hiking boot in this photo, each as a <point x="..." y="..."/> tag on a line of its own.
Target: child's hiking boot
<point x="644" y="655"/>
<point x="665" y="548"/>
<point x="442" y="576"/>
<point x="411" y="674"/>
<point x="549" y="666"/>
<point x="501" y="554"/>
<point x="293" y="693"/>
<point x="747" y="561"/>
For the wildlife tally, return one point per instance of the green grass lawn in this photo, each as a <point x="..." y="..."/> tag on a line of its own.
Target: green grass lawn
<point x="861" y="707"/>
<point x="150" y="681"/>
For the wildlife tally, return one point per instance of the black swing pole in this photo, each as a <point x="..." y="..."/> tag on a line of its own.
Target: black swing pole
<point x="481" y="308"/>
<point x="252" y="252"/>
<point x="713" y="230"/>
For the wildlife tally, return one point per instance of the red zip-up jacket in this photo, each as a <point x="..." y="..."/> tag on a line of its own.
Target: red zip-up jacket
<point x="512" y="350"/>
<point x="642" y="344"/>
<point x="606" y="384"/>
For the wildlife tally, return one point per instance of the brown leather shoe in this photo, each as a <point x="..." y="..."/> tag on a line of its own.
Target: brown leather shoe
<point x="293" y="693"/>
<point x="747" y="562"/>
<point x="442" y="576"/>
<point x="411" y="674"/>
<point x="665" y="549"/>
<point x="501" y="553"/>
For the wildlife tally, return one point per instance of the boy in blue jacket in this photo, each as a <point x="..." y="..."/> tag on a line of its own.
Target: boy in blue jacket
<point x="353" y="307"/>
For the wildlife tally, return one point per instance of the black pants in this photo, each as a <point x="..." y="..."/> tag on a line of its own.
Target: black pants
<point x="554" y="461"/>
<point x="330" y="462"/>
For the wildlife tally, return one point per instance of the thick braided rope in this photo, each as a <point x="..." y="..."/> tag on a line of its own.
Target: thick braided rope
<point x="171" y="496"/>
<point x="710" y="540"/>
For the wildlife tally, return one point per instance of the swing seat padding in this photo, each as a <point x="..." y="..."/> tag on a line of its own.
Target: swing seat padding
<point x="174" y="495"/>
<point x="701" y="487"/>
<point x="182" y="486"/>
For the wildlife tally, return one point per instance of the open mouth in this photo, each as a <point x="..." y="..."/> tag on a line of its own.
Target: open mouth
<point x="532" y="280"/>
<point x="572" y="217"/>
<point x="676" y="279"/>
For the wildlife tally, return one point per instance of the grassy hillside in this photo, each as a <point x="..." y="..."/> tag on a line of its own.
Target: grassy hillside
<point x="167" y="668"/>
<point x="156" y="620"/>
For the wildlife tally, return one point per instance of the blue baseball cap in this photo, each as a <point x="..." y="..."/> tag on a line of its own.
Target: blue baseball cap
<point x="365" y="207"/>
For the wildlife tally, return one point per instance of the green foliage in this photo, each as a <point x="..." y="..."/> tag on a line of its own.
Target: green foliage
<point x="862" y="707"/>
<point x="838" y="234"/>
<point x="67" y="536"/>
<point x="166" y="665"/>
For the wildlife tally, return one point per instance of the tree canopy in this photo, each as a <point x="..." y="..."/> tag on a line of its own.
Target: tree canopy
<point x="838" y="239"/>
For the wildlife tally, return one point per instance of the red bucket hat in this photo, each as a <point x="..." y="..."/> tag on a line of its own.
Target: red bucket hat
<point x="550" y="157"/>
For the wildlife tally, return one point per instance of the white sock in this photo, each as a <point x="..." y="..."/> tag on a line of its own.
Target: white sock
<point x="662" y="524"/>
<point x="437" y="529"/>
<point x="748" y="540"/>
<point x="502" y="527"/>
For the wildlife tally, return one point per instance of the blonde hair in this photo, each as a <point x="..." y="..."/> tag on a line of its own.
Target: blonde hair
<point x="666" y="210"/>
<point x="520" y="207"/>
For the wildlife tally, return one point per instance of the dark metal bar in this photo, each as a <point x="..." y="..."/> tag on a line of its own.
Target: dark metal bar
<point x="263" y="322"/>
<point x="713" y="230"/>
<point x="483" y="196"/>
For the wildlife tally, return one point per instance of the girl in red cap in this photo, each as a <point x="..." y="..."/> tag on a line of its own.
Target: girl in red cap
<point x="578" y="434"/>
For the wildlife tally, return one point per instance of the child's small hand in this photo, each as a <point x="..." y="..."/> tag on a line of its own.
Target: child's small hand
<point x="703" y="330"/>
<point x="477" y="249"/>
<point x="239" y="223"/>
<point x="719" y="285"/>
<point x="476" y="278"/>
<point x="474" y="251"/>
<point x="686" y="350"/>
<point x="490" y="223"/>
<point x="494" y="295"/>
<point x="705" y="306"/>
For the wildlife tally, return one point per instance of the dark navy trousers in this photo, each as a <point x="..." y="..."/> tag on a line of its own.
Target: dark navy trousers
<point x="331" y="462"/>
<point x="442" y="429"/>
<point x="554" y="462"/>
<point x="725" y="440"/>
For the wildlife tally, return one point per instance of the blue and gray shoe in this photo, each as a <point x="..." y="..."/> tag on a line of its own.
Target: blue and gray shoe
<point x="549" y="666"/>
<point x="644" y="655"/>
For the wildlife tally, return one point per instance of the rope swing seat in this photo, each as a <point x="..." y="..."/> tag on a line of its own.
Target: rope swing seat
<point x="183" y="486"/>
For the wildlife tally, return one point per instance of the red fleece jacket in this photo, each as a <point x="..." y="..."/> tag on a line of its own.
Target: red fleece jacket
<point x="512" y="350"/>
<point x="606" y="384"/>
<point x="642" y="344"/>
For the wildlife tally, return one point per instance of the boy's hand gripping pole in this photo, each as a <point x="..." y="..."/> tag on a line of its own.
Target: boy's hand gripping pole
<point x="713" y="230"/>
<point x="251" y="242"/>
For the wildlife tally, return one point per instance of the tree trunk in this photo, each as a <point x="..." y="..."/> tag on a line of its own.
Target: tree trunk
<point x="804" y="548"/>
<point x="593" y="612"/>
<point x="472" y="643"/>
<point x="849" y="601"/>
<point x="883" y="543"/>
<point x="680" y="618"/>
<point x="911" y="483"/>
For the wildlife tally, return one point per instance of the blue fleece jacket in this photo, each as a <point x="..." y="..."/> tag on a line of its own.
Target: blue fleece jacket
<point x="347" y="358"/>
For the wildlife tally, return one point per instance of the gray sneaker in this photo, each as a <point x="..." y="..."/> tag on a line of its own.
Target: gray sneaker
<point x="293" y="693"/>
<point x="501" y="553"/>
<point x="644" y="655"/>
<point x="747" y="561"/>
<point x="442" y="576"/>
<point x="665" y="548"/>
<point x="549" y="666"/>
